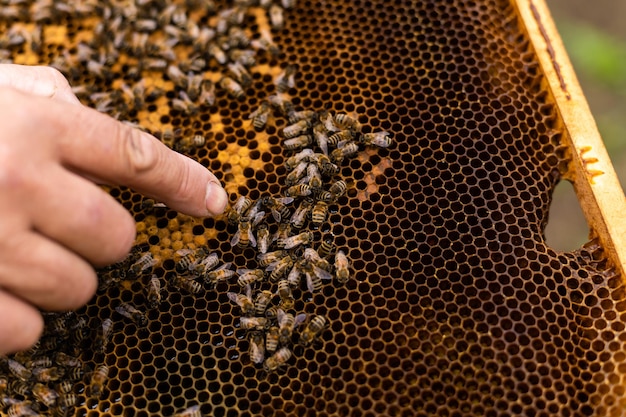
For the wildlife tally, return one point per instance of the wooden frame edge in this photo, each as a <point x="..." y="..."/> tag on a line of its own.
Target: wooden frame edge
<point x="591" y="172"/>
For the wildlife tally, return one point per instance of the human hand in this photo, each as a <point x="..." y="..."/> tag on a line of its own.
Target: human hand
<point x="55" y="222"/>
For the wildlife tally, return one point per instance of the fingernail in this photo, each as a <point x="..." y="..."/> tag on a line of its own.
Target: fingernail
<point x="216" y="198"/>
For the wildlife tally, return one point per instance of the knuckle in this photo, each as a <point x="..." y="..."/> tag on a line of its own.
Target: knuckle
<point x="55" y="76"/>
<point x="137" y="149"/>
<point x="82" y="293"/>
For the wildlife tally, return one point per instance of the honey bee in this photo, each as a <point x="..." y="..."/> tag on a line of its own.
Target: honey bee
<point x="18" y="370"/>
<point x="44" y="362"/>
<point x="75" y="373"/>
<point x="286" y="80"/>
<point x="137" y="316"/>
<point x="321" y="137"/>
<point x="243" y="237"/>
<point x="298" y="172"/>
<point x="319" y="213"/>
<point x="323" y="195"/>
<point x="272" y="312"/>
<point x="193" y="411"/>
<point x="348" y="150"/>
<point x="143" y="264"/>
<point x="380" y="139"/>
<point x="314" y="276"/>
<point x="206" y="264"/>
<point x="284" y="292"/>
<point x="244" y="301"/>
<point x="101" y="341"/>
<point x="154" y="292"/>
<point x="303" y="238"/>
<point x="260" y="116"/>
<point x="188" y="284"/>
<point x="312" y="330"/>
<point x="282" y="104"/>
<point x="263" y="238"/>
<point x="340" y="137"/>
<point x="266" y="259"/>
<point x="207" y="93"/>
<point x="338" y="188"/>
<point x="184" y="104"/>
<point x="240" y="74"/>
<point x="327" y="168"/>
<point x="149" y="204"/>
<point x="249" y="276"/>
<point x="314" y="176"/>
<point x="64" y="387"/>
<point x="299" y="190"/>
<point x="287" y="322"/>
<point x="63" y="359"/>
<point x="296" y="129"/>
<point x="261" y="302"/>
<point x="277" y="206"/>
<point x="194" y="85"/>
<point x="232" y="87"/>
<point x="47" y="374"/>
<point x="237" y="38"/>
<point x="277" y="360"/>
<point x="283" y="232"/>
<point x="253" y="323"/>
<point x="313" y="256"/>
<point x="20" y="409"/>
<point x="257" y="347"/>
<point x="245" y="57"/>
<point x="303" y="156"/>
<point x="280" y="268"/>
<point x="277" y="19"/>
<point x="265" y="43"/>
<point x="45" y="395"/>
<point x="342" y="267"/>
<point x="19" y="387"/>
<point x="298" y="218"/>
<point x="177" y="76"/>
<point x="67" y="400"/>
<point x="294" y="276"/>
<point x="222" y="273"/>
<point x="343" y="121"/>
<point x="98" y="380"/>
<point x="187" y="259"/>
<point x="238" y="210"/>
<point x="271" y="339"/>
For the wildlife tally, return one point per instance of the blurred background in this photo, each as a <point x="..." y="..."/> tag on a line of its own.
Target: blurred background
<point x="594" y="34"/>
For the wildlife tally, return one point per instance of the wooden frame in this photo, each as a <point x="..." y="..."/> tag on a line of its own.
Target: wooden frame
<point x="591" y="172"/>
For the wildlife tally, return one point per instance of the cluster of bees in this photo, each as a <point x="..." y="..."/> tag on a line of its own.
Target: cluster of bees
<point x="201" y="49"/>
<point x="283" y="228"/>
<point x="42" y="379"/>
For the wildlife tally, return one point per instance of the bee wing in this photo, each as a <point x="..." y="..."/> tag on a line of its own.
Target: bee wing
<point x="322" y="141"/>
<point x="249" y="291"/>
<point x="243" y="271"/>
<point x="276" y="215"/>
<point x="300" y="318"/>
<point x="309" y="282"/>
<point x="236" y="238"/>
<point x="233" y="296"/>
<point x="280" y="315"/>
<point x="251" y="238"/>
<point x="272" y="266"/>
<point x="323" y="274"/>
<point x="227" y="265"/>
<point x="285" y="200"/>
<point x="258" y="217"/>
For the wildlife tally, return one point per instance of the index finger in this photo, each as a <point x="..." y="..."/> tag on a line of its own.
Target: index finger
<point x="99" y="146"/>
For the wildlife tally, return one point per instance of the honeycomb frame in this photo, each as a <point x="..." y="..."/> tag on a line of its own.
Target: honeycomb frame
<point x="456" y="306"/>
